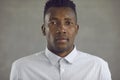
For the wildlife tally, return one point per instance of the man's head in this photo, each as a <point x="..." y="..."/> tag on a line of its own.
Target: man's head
<point x="60" y="3"/>
<point x="60" y="26"/>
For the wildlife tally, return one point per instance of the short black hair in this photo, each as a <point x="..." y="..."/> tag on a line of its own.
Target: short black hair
<point x="60" y="3"/>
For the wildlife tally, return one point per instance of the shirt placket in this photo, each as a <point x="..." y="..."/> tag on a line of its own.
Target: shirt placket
<point x="61" y="68"/>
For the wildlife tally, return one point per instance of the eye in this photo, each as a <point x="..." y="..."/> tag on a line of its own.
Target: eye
<point x="53" y="22"/>
<point x="68" y="23"/>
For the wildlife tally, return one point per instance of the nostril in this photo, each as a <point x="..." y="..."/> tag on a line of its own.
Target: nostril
<point x="64" y="31"/>
<point x="60" y="31"/>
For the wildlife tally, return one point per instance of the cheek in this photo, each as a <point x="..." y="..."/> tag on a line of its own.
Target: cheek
<point x="72" y="33"/>
<point x="49" y="34"/>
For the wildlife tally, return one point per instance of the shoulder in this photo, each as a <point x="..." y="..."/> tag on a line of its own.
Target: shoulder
<point x="31" y="59"/>
<point x="95" y="63"/>
<point x="92" y="58"/>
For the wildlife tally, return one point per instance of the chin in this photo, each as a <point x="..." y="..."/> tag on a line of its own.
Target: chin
<point x="61" y="48"/>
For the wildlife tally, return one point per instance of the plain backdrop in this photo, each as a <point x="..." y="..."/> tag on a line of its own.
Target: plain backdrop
<point x="20" y="31"/>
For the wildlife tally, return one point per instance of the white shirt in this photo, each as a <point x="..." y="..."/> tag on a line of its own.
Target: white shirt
<point x="48" y="66"/>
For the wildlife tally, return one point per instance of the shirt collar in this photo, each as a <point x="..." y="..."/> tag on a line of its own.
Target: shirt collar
<point x="72" y="55"/>
<point x="55" y="58"/>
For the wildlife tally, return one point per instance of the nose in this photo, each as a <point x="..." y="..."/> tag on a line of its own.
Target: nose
<point x="61" y="29"/>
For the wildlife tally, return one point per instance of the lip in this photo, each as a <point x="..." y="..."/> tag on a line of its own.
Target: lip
<point x="61" y="39"/>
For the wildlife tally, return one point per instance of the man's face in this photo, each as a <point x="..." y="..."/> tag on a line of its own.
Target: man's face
<point x="60" y="28"/>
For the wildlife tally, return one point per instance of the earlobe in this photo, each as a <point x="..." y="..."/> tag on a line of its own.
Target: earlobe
<point x="43" y="30"/>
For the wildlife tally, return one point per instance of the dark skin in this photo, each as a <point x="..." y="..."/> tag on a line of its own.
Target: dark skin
<point x="60" y="28"/>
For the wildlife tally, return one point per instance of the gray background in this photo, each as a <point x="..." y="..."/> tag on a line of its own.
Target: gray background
<point x="20" y="34"/>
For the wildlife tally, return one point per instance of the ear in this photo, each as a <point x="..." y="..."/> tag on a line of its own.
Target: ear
<point x="43" y="29"/>
<point x="77" y="27"/>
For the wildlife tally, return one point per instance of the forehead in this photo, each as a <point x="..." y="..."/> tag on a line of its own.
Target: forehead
<point x="60" y="12"/>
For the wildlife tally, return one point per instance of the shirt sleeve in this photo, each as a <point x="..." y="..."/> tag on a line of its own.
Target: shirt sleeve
<point x="14" y="72"/>
<point x="105" y="72"/>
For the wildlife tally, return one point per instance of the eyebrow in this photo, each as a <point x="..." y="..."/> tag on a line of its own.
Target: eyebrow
<point x="54" y="18"/>
<point x="69" y="19"/>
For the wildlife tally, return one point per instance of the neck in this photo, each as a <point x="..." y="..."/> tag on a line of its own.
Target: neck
<point x="62" y="53"/>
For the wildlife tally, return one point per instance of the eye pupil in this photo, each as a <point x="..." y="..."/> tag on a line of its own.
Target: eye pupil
<point x="53" y="22"/>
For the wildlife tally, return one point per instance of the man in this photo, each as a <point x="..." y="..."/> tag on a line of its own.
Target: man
<point x="60" y="60"/>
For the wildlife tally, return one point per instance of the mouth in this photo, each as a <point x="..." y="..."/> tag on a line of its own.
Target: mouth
<point x="61" y="39"/>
